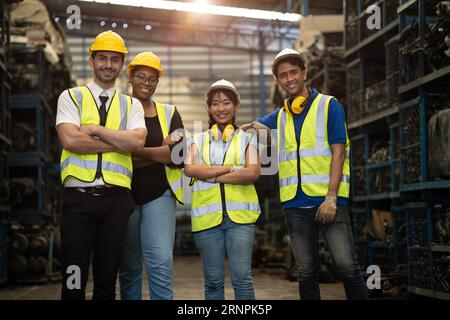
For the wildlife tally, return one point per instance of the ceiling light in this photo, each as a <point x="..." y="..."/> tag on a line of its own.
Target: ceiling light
<point x="205" y="8"/>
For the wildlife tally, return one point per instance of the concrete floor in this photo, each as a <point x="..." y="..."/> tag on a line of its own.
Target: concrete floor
<point x="188" y="285"/>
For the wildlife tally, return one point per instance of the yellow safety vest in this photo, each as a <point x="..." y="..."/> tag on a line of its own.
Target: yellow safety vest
<point x="174" y="175"/>
<point x="239" y="201"/>
<point x="315" y="154"/>
<point x="116" y="168"/>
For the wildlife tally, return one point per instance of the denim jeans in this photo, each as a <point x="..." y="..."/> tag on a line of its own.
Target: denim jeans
<point x="236" y="240"/>
<point x="150" y="237"/>
<point x="304" y="232"/>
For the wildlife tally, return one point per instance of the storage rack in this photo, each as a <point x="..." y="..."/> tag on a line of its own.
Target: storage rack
<point x="423" y="94"/>
<point x="392" y="108"/>
<point x="5" y="140"/>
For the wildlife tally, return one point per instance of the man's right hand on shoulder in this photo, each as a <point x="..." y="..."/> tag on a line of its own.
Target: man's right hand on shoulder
<point x="246" y="126"/>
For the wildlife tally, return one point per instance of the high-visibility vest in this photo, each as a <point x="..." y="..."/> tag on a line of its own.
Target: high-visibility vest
<point x="116" y="167"/>
<point x="239" y="201"/>
<point x="309" y="160"/>
<point x="174" y="175"/>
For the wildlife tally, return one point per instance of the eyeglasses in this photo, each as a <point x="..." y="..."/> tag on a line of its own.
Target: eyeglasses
<point x="143" y="79"/>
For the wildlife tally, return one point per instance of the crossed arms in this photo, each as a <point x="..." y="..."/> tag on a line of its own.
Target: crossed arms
<point x="91" y="139"/>
<point x="223" y="174"/>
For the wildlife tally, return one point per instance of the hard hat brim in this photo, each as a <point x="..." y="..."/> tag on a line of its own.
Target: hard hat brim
<point x="277" y="61"/>
<point x="210" y="89"/>
<point x="132" y="66"/>
<point x="125" y="52"/>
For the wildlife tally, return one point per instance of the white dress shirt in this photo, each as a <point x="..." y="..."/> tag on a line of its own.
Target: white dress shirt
<point x="67" y="112"/>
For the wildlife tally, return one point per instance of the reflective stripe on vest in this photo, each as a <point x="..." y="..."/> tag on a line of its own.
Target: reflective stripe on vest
<point x="232" y="206"/>
<point x="241" y="200"/>
<point x="174" y="175"/>
<point x="314" y="151"/>
<point x="116" y="167"/>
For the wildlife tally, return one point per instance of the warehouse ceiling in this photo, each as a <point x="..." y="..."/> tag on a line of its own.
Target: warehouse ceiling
<point x="183" y="28"/>
<point x="195" y="49"/>
<point x="180" y="28"/>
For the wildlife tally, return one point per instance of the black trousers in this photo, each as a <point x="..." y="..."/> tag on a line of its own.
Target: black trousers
<point x="93" y="225"/>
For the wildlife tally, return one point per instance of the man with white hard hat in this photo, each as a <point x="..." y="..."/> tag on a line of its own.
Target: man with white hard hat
<point x="314" y="176"/>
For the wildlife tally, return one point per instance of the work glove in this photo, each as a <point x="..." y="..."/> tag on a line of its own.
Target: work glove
<point x="327" y="210"/>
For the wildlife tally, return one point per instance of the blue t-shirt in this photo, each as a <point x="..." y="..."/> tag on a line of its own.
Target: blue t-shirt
<point x="336" y="134"/>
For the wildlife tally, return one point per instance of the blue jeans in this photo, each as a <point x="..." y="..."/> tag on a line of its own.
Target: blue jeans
<point x="304" y="232"/>
<point x="150" y="235"/>
<point x="236" y="240"/>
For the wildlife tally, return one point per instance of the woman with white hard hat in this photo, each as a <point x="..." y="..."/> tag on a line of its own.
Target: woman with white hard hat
<point x="223" y="162"/>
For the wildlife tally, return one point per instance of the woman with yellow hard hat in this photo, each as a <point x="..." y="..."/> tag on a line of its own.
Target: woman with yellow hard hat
<point x="224" y="164"/>
<point x="156" y="186"/>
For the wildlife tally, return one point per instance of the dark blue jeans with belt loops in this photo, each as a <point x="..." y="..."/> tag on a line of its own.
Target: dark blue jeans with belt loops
<point x="304" y="234"/>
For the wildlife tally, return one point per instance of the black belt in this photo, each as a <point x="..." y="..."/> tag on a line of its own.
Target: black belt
<point x="101" y="190"/>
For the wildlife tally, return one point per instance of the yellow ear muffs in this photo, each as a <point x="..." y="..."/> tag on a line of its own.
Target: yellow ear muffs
<point x="296" y="107"/>
<point x="227" y="133"/>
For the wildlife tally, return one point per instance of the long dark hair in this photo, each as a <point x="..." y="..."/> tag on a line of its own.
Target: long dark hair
<point x="230" y="95"/>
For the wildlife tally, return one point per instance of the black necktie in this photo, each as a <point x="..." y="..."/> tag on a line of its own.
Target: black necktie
<point x="102" y="110"/>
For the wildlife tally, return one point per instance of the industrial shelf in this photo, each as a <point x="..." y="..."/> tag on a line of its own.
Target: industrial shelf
<point x="374" y="117"/>
<point x="3" y="67"/>
<point x="31" y="213"/>
<point x="380" y="245"/>
<point x="391" y="27"/>
<point x="407" y="7"/>
<point x="429" y="293"/>
<point x="359" y="210"/>
<point x="5" y="139"/>
<point x="30" y="101"/>
<point x="377" y="196"/>
<point x="423" y="250"/>
<point x="23" y="159"/>
<point x="399" y="119"/>
<point x="378" y="165"/>
<point x="444" y="184"/>
<point x="31" y="112"/>
<point x="437" y="75"/>
<point x="439" y="248"/>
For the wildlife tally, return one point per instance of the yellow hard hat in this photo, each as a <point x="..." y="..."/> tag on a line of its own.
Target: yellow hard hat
<point x="109" y="41"/>
<point x="147" y="59"/>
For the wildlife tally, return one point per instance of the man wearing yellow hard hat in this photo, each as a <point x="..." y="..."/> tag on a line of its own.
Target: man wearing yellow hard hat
<point x="98" y="128"/>
<point x="156" y="186"/>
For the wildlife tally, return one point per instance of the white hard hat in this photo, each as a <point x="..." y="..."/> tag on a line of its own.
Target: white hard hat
<point x="286" y="53"/>
<point x="223" y="84"/>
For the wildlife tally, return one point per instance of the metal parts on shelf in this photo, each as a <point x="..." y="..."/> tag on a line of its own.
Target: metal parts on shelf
<point x="34" y="254"/>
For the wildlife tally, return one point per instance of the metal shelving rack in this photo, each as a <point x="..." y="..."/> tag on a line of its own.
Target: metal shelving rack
<point x="416" y="88"/>
<point x="34" y="162"/>
<point x="374" y="130"/>
<point x="5" y="140"/>
<point x="35" y="209"/>
<point x="422" y="84"/>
